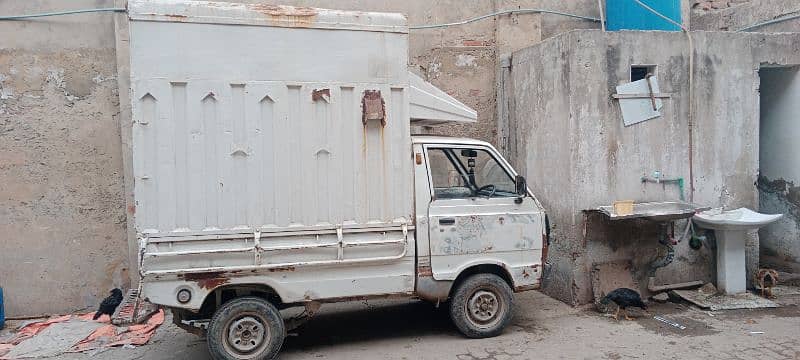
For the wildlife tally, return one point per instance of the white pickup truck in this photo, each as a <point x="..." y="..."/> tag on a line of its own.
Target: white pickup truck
<point x="274" y="167"/>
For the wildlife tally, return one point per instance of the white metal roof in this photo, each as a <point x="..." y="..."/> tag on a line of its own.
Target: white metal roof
<point x="432" y="106"/>
<point x="448" y="140"/>
<point x="212" y="12"/>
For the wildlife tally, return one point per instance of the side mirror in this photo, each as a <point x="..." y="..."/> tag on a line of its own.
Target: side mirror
<point x="521" y="185"/>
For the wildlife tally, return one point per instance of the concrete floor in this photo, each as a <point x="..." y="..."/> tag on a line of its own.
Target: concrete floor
<point x="542" y="328"/>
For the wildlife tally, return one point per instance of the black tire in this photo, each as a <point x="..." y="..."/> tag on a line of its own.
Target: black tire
<point x="472" y="293"/>
<point x="233" y="333"/>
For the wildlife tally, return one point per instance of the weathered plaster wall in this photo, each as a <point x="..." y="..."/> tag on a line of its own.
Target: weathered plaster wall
<point x="779" y="178"/>
<point x="741" y="14"/>
<point x="578" y="155"/>
<point x="62" y="220"/>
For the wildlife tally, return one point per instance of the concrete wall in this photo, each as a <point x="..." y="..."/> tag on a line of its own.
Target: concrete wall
<point x="62" y="217"/>
<point x="577" y="154"/>
<point x="741" y="14"/>
<point x="64" y="134"/>
<point x="779" y="180"/>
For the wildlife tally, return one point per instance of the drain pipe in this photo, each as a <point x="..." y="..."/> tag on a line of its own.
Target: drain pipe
<point x="665" y="240"/>
<point x="602" y="15"/>
<point x="690" y="118"/>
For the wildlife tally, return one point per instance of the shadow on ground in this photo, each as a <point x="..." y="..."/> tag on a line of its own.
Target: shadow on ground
<point x="363" y="322"/>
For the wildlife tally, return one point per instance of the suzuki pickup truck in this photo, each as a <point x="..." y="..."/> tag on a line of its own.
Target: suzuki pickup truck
<point x="274" y="169"/>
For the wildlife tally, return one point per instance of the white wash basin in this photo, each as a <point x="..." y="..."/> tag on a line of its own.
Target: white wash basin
<point x="739" y="219"/>
<point x="730" y="228"/>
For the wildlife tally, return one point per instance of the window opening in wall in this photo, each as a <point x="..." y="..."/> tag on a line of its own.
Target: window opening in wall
<point x="639" y="72"/>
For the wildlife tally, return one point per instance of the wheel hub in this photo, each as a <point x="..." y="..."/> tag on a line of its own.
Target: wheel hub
<point x="483" y="307"/>
<point x="246" y="334"/>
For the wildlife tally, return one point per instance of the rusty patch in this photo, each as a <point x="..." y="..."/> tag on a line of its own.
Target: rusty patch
<point x="387" y="296"/>
<point x="281" y="269"/>
<point x="526" y="287"/>
<point x="287" y="15"/>
<point x="176" y="17"/>
<point x="424" y="271"/>
<point x="373" y="107"/>
<point x="321" y="94"/>
<point x="207" y="280"/>
<point x="283" y="10"/>
<point x="131" y="209"/>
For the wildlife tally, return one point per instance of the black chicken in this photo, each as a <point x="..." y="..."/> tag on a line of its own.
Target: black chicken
<point x="109" y="304"/>
<point x="624" y="298"/>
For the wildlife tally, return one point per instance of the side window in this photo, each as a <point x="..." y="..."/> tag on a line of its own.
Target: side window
<point x="463" y="173"/>
<point x="448" y="181"/>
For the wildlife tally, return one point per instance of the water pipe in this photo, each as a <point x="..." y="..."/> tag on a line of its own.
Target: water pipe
<point x="504" y="12"/>
<point x="765" y="23"/>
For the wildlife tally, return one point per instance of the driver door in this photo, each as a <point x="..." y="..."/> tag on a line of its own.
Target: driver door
<point x="475" y="215"/>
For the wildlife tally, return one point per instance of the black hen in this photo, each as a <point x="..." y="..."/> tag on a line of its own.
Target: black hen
<point x="624" y="298"/>
<point x="109" y="304"/>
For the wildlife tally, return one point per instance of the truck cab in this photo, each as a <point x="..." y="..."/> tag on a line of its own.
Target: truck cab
<point x="473" y="213"/>
<point x="267" y="180"/>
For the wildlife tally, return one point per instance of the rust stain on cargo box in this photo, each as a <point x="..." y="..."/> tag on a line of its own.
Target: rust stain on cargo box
<point x="281" y="269"/>
<point x="287" y="15"/>
<point x="176" y="17"/>
<point x="207" y="280"/>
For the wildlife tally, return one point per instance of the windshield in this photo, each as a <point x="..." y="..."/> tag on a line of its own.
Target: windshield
<point x="464" y="172"/>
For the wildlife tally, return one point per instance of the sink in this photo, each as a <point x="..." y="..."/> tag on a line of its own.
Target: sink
<point x="730" y="228"/>
<point x="739" y="219"/>
<point x="657" y="211"/>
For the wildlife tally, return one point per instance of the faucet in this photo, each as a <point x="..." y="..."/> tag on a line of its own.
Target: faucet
<point x="657" y="178"/>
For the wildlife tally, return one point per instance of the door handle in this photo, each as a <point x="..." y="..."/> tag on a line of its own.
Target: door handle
<point x="447" y="221"/>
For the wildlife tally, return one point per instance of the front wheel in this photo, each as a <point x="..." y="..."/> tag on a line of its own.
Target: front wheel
<point x="244" y="329"/>
<point x="481" y="306"/>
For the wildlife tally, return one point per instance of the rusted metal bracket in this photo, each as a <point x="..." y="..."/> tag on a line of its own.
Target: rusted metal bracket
<point x="373" y="107"/>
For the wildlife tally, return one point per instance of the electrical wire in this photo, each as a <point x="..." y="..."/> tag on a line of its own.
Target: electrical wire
<point x="57" y="13"/>
<point x="690" y="118"/>
<point x="765" y="23"/>
<point x="515" y="11"/>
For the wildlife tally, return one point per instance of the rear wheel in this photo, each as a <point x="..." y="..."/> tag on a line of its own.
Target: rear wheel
<point x="244" y="329"/>
<point x="482" y="306"/>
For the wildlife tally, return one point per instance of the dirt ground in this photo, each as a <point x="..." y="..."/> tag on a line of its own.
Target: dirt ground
<point x="542" y="328"/>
